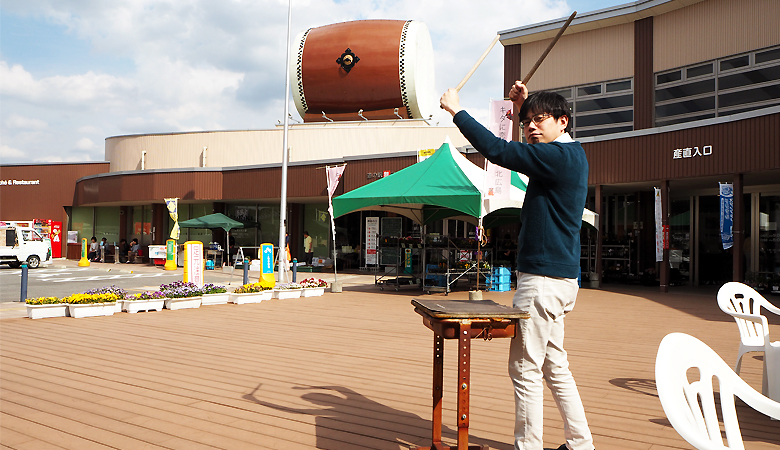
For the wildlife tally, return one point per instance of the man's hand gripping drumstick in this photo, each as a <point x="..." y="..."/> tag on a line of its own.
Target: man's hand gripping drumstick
<point x="450" y="101"/>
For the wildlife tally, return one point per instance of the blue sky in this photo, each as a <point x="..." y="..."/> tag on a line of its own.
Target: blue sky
<point x="73" y="72"/>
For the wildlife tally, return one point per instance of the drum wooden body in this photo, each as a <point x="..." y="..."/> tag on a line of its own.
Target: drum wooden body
<point x="371" y="65"/>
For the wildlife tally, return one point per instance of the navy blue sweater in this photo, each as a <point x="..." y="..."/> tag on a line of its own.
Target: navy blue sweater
<point x="549" y="241"/>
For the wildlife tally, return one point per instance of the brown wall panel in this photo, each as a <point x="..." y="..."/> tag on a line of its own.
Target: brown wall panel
<point x="643" y="73"/>
<point x="586" y="57"/>
<point x="357" y="172"/>
<point x="47" y="199"/>
<point x="253" y="184"/>
<point x="714" y="29"/>
<point x="512" y="71"/>
<point x="749" y="145"/>
<point x="512" y="65"/>
<point x="145" y="187"/>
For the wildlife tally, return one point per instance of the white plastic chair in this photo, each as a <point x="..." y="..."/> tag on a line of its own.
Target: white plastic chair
<point x="744" y="304"/>
<point x="690" y="406"/>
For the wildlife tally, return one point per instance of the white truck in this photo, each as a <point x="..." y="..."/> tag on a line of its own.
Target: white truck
<point x="20" y="244"/>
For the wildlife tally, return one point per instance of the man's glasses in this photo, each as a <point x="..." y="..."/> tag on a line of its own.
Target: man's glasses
<point x="537" y="120"/>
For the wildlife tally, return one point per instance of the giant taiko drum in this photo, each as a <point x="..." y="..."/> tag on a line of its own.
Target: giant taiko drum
<point x="382" y="67"/>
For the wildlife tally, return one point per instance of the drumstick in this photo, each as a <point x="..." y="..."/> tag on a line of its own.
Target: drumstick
<point x="473" y="69"/>
<point x="549" y="47"/>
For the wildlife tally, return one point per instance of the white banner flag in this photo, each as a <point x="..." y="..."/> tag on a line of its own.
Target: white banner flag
<point x="500" y="118"/>
<point x="334" y="176"/>
<point x="497" y="181"/>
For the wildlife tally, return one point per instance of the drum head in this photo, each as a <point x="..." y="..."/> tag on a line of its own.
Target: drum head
<point x="393" y="68"/>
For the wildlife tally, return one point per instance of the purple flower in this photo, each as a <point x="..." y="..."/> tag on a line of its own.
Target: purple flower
<point x="180" y="289"/>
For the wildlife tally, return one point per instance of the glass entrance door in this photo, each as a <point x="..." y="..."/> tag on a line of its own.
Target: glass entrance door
<point x="768" y="240"/>
<point x="715" y="264"/>
<point x="680" y="242"/>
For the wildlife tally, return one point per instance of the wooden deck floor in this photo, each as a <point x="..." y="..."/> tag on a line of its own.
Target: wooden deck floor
<point x="342" y="371"/>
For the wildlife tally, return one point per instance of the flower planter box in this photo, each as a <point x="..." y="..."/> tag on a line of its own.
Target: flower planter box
<point x="47" y="311"/>
<point x="182" y="303"/>
<point x="118" y="306"/>
<point x="215" y="299"/>
<point x="133" y="306"/>
<point x="251" y="297"/>
<point x="78" y="310"/>
<point x="313" y="292"/>
<point x="287" y="293"/>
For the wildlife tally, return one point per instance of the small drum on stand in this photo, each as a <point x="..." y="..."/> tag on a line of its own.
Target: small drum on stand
<point x="366" y="69"/>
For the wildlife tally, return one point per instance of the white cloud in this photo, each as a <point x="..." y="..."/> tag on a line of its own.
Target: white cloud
<point x="88" y="129"/>
<point x="17" y="121"/>
<point x="85" y="144"/>
<point x="204" y="65"/>
<point x="87" y="90"/>
<point x="9" y="154"/>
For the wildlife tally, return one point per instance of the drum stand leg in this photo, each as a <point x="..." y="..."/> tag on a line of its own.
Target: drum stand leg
<point x="464" y="369"/>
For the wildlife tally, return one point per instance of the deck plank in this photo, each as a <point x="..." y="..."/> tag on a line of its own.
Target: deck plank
<point x="342" y="371"/>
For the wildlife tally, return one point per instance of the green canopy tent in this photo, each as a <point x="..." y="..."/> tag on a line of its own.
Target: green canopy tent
<point x="442" y="186"/>
<point x="217" y="220"/>
<point x="446" y="185"/>
<point x="212" y="221"/>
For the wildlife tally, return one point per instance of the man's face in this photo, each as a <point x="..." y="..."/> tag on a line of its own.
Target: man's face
<point x="543" y="128"/>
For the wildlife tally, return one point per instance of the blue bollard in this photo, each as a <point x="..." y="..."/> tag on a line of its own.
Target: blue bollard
<point x="295" y="268"/>
<point x="23" y="293"/>
<point x="246" y="271"/>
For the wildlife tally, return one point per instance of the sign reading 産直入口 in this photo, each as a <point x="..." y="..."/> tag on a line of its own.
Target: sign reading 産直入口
<point x="691" y="152"/>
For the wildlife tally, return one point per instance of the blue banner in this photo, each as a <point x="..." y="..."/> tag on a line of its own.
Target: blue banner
<point x="726" y="214"/>
<point x="268" y="258"/>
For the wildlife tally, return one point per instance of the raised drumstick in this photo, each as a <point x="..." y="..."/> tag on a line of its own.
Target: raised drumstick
<point x="533" y="69"/>
<point x="479" y="61"/>
<point x="549" y="47"/>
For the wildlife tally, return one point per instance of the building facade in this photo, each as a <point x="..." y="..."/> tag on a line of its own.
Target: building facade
<point x="678" y="95"/>
<point x="237" y="173"/>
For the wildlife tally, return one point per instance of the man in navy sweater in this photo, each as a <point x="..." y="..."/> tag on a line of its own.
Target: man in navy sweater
<point x="548" y="260"/>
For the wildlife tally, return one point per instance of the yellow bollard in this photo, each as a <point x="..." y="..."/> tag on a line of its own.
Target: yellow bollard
<point x="170" y="255"/>
<point x="84" y="262"/>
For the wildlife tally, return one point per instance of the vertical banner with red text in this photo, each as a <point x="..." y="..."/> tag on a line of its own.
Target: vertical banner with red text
<point x="372" y="229"/>
<point x="500" y="118"/>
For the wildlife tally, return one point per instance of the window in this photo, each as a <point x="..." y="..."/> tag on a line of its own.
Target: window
<point x="82" y="219"/>
<point x="718" y="88"/>
<point x="670" y="77"/>
<point x="619" y="86"/>
<point x="603" y="108"/>
<point x="600" y="108"/>
<point x="107" y="225"/>
<point x="734" y="63"/>
<point x="589" y="90"/>
<point x="769" y="55"/>
<point x="698" y="71"/>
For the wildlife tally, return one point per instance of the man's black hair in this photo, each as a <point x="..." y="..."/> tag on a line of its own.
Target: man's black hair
<point x="546" y="102"/>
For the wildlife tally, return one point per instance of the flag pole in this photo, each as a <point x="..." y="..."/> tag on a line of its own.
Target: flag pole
<point x="282" y="253"/>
